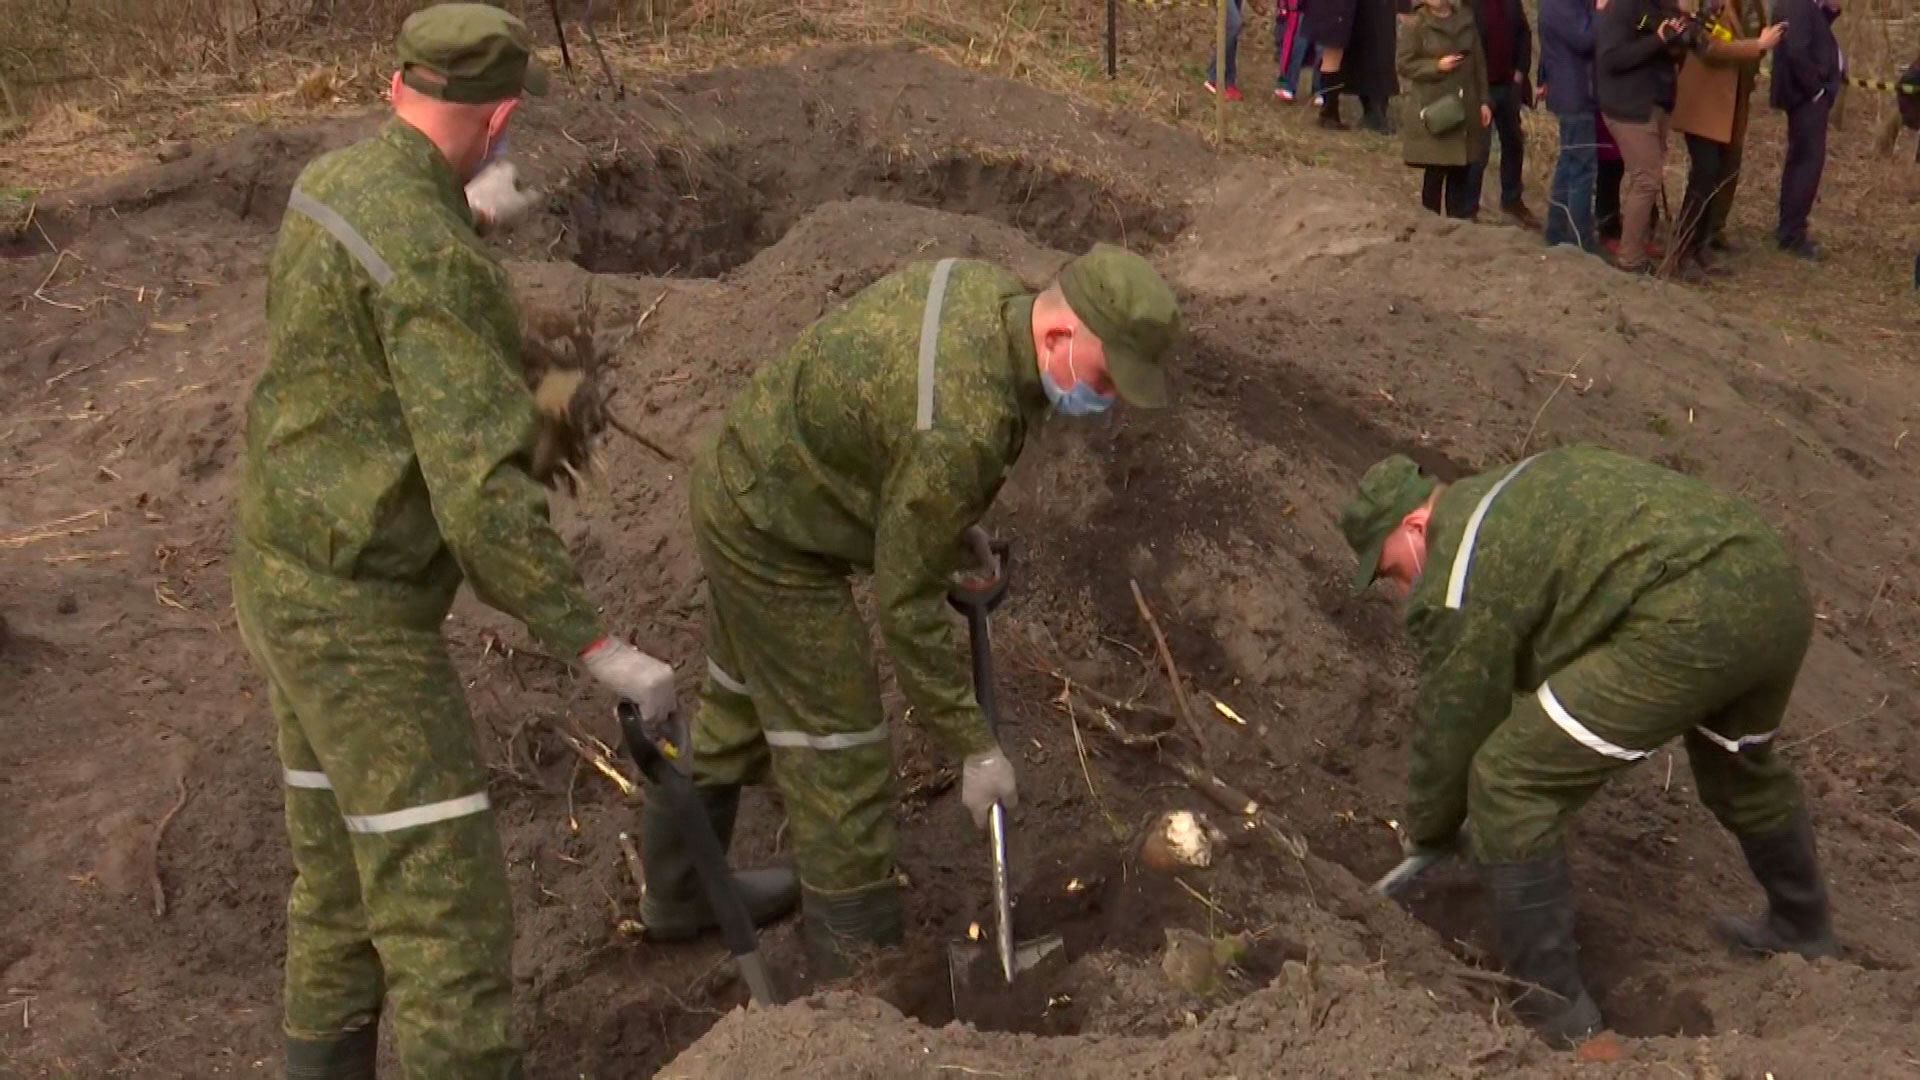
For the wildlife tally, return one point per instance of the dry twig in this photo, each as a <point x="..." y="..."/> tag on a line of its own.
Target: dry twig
<point x="599" y="762"/>
<point x="621" y="426"/>
<point x="632" y="856"/>
<point x="159" y="834"/>
<point x="1185" y="707"/>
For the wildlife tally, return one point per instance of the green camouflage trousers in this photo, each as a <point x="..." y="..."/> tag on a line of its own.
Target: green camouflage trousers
<point x="399" y="900"/>
<point x="1710" y="657"/>
<point x="791" y="685"/>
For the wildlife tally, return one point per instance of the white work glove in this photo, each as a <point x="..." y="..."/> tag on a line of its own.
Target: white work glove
<point x="496" y="198"/>
<point x="633" y="675"/>
<point x="987" y="778"/>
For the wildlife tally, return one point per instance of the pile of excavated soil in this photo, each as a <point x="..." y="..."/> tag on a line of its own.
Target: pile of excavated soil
<point x="1331" y="323"/>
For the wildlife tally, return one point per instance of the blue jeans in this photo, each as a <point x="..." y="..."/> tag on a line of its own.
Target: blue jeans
<point x="1570" y="200"/>
<point x="1290" y="55"/>
<point x="1233" y="45"/>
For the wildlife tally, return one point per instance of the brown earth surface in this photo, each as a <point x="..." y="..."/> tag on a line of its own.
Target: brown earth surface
<point x="145" y="870"/>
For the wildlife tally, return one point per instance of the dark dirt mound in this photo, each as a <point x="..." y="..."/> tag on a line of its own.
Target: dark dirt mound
<point x="1329" y="326"/>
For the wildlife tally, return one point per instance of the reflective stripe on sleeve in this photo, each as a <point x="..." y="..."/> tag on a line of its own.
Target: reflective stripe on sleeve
<point x="1457" y="579"/>
<point x="930" y="344"/>
<point x="723" y="680"/>
<point x="1580" y="732"/>
<point x="304" y="778"/>
<point x="337" y="227"/>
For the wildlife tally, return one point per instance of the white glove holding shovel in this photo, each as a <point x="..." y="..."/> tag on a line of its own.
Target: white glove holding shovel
<point x="633" y="675"/>
<point x="496" y="197"/>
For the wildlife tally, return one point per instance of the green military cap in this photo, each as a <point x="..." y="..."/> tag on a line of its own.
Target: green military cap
<point x="477" y="54"/>
<point x="1391" y="490"/>
<point x="1122" y="299"/>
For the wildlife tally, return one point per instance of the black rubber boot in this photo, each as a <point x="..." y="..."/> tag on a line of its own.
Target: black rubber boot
<point x="674" y="904"/>
<point x="1330" y="105"/>
<point x="351" y="1056"/>
<point x="1796" y="919"/>
<point x="1533" y="903"/>
<point x="840" y="926"/>
<point x="1373" y="116"/>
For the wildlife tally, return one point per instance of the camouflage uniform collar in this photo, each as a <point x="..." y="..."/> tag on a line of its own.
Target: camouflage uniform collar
<point x="1026" y="362"/>
<point x="418" y="151"/>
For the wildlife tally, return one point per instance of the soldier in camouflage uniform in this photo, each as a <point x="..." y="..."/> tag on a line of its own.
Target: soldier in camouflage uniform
<point x="388" y="444"/>
<point x="871" y="446"/>
<point x="1586" y="609"/>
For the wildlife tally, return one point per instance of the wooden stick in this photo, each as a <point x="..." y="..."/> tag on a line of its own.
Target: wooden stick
<point x="159" y="834"/>
<point x="620" y="426"/>
<point x="632" y="856"/>
<point x="1173" y="676"/>
<point x="1111" y="702"/>
<point x="1225" y="795"/>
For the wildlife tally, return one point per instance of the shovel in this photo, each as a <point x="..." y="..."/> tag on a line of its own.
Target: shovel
<point x="652" y="752"/>
<point x="1397" y="880"/>
<point x="974" y="598"/>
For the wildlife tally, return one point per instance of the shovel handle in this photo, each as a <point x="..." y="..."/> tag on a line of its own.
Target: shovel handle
<point x="975" y="604"/>
<point x="709" y="858"/>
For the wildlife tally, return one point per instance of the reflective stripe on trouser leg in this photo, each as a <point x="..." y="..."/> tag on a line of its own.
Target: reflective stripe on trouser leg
<point x="792" y="634"/>
<point x="1527" y="781"/>
<point x="334" y="982"/>
<point x="381" y="709"/>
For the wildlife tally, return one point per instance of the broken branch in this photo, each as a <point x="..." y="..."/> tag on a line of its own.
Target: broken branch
<point x="1185" y="707"/>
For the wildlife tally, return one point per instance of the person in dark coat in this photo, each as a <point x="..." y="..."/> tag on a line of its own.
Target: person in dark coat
<point x="1637" y="46"/>
<point x="1356" y="40"/>
<point x="1807" y="72"/>
<point x="1508" y="46"/>
<point x="1566" y="75"/>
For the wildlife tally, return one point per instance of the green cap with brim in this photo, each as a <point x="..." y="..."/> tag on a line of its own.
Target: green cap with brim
<point x="470" y="54"/>
<point x="1124" y="301"/>
<point x="1389" y="491"/>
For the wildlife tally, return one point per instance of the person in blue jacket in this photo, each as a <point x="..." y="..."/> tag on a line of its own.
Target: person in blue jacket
<point x="1566" y="78"/>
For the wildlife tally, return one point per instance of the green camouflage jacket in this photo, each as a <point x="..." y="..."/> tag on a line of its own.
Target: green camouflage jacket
<point x="1560" y="554"/>
<point x="839" y="450"/>
<point x="389" y="437"/>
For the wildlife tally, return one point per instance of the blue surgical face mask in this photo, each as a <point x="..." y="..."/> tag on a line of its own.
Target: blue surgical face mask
<point x="1078" y="400"/>
<point x="495" y="151"/>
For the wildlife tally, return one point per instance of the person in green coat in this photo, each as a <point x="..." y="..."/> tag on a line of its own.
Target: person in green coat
<point x="1587" y="608"/>
<point x="873" y="446"/>
<point x="1444" y="130"/>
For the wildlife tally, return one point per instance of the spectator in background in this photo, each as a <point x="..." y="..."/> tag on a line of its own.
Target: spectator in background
<point x="1233" y="47"/>
<point x="1606" y="190"/>
<point x="1807" y="72"/>
<point x="1636" y="45"/>
<point x="1444" y="128"/>
<point x="1293" y="49"/>
<point x="1566" y="77"/>
<point x="1356" y="42"/>
<point x="1509" y="52"/>
<point x="1710" y="107"/>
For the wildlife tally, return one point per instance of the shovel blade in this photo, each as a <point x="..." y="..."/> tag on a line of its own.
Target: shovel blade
<point x="979" y="984"/>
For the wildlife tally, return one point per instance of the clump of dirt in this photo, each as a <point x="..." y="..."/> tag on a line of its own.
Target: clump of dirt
<point x="1330" y="324"/>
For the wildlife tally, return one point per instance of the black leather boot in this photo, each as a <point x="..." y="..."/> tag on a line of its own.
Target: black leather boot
<point x="1796" y="919"/>
<point x="1330" y="105"/>
<point x="351" y="1056"/>
<point x="840" y="926"/>
<point x="1533" y="903"/>
<point x="674" y="904"/>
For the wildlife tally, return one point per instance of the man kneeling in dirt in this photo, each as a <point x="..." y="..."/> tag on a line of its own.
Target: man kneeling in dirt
<point x="875" y="444"/>
<point x="387" y="458"/>
<point x="1627" y="604"/>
